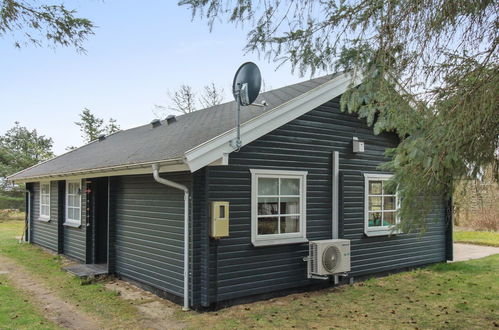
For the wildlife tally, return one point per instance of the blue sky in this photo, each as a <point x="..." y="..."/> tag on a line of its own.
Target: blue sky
<point x="141" y="50"/>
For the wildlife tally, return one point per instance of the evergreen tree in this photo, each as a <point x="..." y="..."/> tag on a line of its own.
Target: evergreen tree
<point x="430" y="71"/>
<point x="30" y="22"/>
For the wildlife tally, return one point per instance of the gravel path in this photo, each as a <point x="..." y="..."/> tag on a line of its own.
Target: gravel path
<point x="464" y="252"/>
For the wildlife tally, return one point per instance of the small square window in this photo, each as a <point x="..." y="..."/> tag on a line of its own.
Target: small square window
<point x="381" y="205"/>
<point x="278" y="207"/>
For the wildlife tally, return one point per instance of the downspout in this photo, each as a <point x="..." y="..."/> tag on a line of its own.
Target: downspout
<point x="155" y="173"/>
<point x="336" y="200"/>
<point x="28" y="217"/>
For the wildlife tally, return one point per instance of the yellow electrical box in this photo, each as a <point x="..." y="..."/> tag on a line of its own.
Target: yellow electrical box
<point x="219" y="219"/>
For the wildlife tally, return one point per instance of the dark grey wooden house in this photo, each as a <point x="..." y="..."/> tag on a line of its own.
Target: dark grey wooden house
<point x="296" y="179"/>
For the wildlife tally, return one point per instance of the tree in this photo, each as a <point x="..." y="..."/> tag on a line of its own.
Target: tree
<point x="42" y="23"/>
<point x="430" y="73"/>
<point x="92" y="127"/>
<point x="20" y="148"/>
<point x="184" y="99"/>
<point x="112" y="126"/>
<point x="212" y="96"/>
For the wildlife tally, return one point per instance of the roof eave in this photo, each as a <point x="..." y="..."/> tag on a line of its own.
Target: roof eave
<point x="169" y="165"/>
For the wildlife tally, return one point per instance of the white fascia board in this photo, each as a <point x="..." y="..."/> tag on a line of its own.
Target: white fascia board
<point x="133" y="169"/>
<point x="257" y="127"/>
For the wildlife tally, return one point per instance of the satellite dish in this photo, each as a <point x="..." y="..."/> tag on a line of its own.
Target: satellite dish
<point x="247" y="83"/>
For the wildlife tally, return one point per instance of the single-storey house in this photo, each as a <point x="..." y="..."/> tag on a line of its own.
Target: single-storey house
<point x="145" y="202"/>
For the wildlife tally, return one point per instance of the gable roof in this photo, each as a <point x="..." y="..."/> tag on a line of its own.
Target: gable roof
<point x="191" y="142"/>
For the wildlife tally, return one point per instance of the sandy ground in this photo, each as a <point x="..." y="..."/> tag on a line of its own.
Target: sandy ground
<point x="55" y="309"/>
<point x="156" y="313"/>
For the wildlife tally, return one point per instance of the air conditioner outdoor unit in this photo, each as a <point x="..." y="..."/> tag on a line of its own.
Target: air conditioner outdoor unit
<point x="329" y="257"/>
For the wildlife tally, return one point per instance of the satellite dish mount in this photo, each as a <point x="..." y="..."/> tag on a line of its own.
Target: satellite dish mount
<point x="245" y="88"/>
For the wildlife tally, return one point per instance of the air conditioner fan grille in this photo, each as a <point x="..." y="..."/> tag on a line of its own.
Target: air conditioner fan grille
<point x="331" y="258"/>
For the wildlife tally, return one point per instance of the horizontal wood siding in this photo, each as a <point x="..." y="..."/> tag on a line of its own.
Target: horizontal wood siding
<point x="237" y="269"/>
<point x="44" y="233"/>
<point x="148" y="231"/>
<point x="75" y="239"/>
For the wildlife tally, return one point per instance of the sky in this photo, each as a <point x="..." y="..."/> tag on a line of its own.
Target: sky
<point x="140" y="51"/>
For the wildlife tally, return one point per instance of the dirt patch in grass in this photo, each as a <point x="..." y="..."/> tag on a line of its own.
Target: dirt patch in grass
<point x="54" y="308"/>
<point x="16" y="310"/>
<point x="156" y="313"/>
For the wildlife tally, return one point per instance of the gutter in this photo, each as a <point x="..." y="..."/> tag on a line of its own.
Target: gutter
<point x="157" y="178"/>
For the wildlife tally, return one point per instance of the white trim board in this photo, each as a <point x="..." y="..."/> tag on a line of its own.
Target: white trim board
<point x="208" y="152"/>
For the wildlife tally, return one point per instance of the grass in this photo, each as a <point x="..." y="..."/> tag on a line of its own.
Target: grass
<point x="460" y="295"/>
<point x="16" y="312"/>
<point x="93" y="298"/>
<point x="489" y="238"/>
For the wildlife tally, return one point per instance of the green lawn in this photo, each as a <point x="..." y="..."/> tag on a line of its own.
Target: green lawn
<point x="16" y="312"/>
<point x="462" y="295"/>
<point x="477" y="237"/>
<point x="93" y="298"/>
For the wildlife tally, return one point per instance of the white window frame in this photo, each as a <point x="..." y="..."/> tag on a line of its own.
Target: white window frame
<point x="381" y="230"/>
<point x="44" y="217"/>
<point x="68" y="221"/>
<point x="278" y="239"/>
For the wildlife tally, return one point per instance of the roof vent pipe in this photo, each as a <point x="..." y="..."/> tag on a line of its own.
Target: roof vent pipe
<point x="155" y="173"/>
<point x="155" y="123"/>
<point x="171" y="119"/>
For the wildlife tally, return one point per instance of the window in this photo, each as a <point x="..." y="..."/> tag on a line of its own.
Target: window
<point x="45" y="200"/>
<point x="278" y="203"/>
<point x="73" y="203"/>
<point x="381" y="205"/>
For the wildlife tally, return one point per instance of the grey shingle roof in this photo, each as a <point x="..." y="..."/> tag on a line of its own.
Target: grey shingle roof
<point x="145" y="144"/>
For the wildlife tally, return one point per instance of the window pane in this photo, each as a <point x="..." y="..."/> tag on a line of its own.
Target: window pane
<point x="267" y="226"/>
<point x="374" y="219"/>
<point x="388" y="218"/>
<point x="268" y="186"/>
<point x="389" y="188"/>
<point x="77" y="200"/>
<point x="375" y="187"/>
<point x="71" y="188"/>
<point x="267" y="205"/>
<point x="374" y="203"/>
<point x="290" y="186"/>
<point x="76" y="214"/>
<point x="389" y="203"/>
<point x="290" y="205"/>
<point x="290" y="224"/>
<point x="70" y="213"/>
